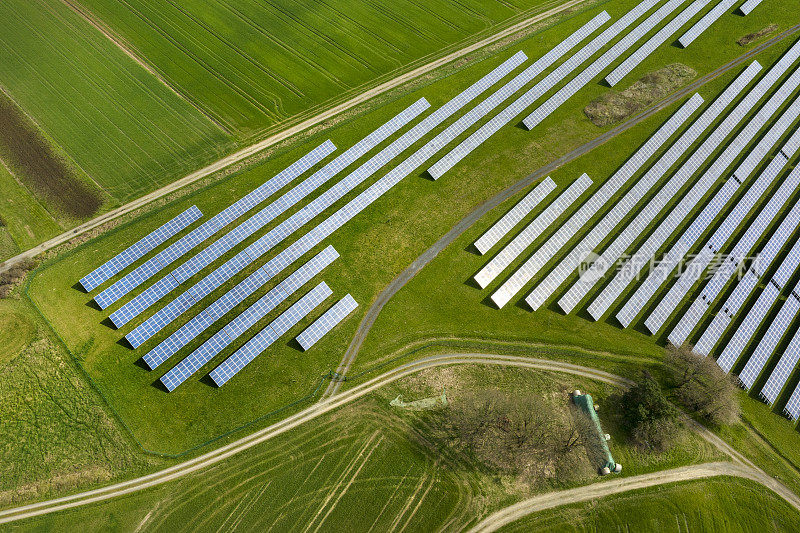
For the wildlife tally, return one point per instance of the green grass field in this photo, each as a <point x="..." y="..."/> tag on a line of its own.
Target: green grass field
<point x="252" y="65"/>
<point x="115" y="121"/>
<point x="374" y="247"/>
<point x="25" y="222"/>
<point x="366" y="466"/>
<point x="728" y="504"/>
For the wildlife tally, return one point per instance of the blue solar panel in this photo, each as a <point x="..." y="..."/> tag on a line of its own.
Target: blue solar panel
<point x="210" y="227"/>
<point x="262" y="340"/>
<point x="237" y="326"/>
<point x="150" y="241"/>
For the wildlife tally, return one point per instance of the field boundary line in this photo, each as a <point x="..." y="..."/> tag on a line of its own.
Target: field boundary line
<point x="248" y="151"/>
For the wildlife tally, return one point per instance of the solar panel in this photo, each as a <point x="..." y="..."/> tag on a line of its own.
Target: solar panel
<point x="329" y="320"/>
<point x="594" y="69"/>
<point x="189" y="331"/>
<point x="531" y="232"/>
<point x="263" y="339"/>
<point x="704" y="23"/>
<point x="699" y="263"/>
<point x="792" y="144"/>
<point x="601" y="229"/>
<point x="139" y="249"/>
<point x="723" y="318"/>
<point x="528" y="269"/>
<point x="768" y="343"/>
<point x="266" y="215"/>
<point x="333" y="222"/>
<point x="209" y="228"/>
<point x="746" y="8"/>
<point x="500" y="228"/>
<point x="645" y="252"/>
<point x="506" y="115"/>
<point x="655" y="41"/>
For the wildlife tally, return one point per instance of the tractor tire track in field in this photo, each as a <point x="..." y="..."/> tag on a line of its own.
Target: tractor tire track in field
<point x="207" y="460"/>
<point x="246" y="152"/>
<point x="476" y="214"/>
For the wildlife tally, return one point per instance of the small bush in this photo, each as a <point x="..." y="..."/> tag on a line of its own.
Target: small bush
<point x="649" y="417"/>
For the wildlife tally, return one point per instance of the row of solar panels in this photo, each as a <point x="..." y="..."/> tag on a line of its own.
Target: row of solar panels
<point x="778" y="125"/>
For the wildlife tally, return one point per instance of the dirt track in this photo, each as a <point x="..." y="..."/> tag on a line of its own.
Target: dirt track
<point x="280" y="136"/>
<point x="346" y="397"/>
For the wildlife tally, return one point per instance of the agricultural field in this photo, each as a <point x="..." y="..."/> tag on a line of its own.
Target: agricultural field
<point x="369" y="466"/>
<point x="253" y="65"/>
<point x="71" y="355"/>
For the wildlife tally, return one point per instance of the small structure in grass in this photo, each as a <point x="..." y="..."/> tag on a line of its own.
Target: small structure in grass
<point x="421" y="405"/>
<point x="586" y="404"/>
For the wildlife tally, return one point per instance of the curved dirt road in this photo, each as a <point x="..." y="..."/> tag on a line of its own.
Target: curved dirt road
<point x="320" y="408"/>
<point x="465" y="223"/>
<point x="282" y="135"/>
<point x="599" y="490"/>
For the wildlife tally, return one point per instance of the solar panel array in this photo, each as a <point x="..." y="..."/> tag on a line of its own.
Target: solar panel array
<point x="768" y="343"/>
<point x="181" y="247"/>
<point x="333" y="222"/>
<point x="269" y="213"/>
<point x="507" y="222"/>
<point x="783" y="369"/>
<point x="747" y="7"/>
<point x="602" y="229"/>
<point x="704" y="23"/>
<point x="792" y="409"/>
<point x="698" y="264"/>
<point x="506" y="115"/>
<point x="685" y="242"/>
<point x="329" y="320"/>
<point x="531" y="232"/>
<point x="594" y="69"/>
<point x="667" y="226"/>
<point x="263" y="339"/>
<point x="741" y="249"/>
<point x="640" y="190"/>
<point x="633" y="60"/>
<point x="524" y="273"/>
<point x="139" y="249"/>
<point x="733" y="350"/>
<point x="236" y="327"/>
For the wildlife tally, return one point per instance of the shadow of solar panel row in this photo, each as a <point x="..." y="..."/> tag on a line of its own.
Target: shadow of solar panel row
<point x="514" y="216"/>
<point x="198" y="324"/>
<point x="738" y="253"/>
<point x="749" y="6"/>
<point x="531" y="232"/>
<point x="635" y="194"/>
<point x="279" y="233"/>
<point x="267" y="336"/>
<point x="326" y="322"/>
<point x="234" y="265"/>
<point x="279" y="206"/>
<point x="139" y="249"/>
<point x="641" y="258"/>
<point x="200" y="234"/>
<point x="633" y="60"/>
<point x="714" y="245"/>
<point x="524" y="239"/>
<point x="704" y="23"/>
<point x="756" y="314"/>
<point x="455" y="155"/>
<point x="600" y="64"/>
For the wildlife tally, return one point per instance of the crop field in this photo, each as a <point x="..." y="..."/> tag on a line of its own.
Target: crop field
<point x="366" y="467"/>
<point x="115" y="121"/>
<point x="711" y="505"/>
<point x="252" y="65"/>
<point x="374" y="248"/>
